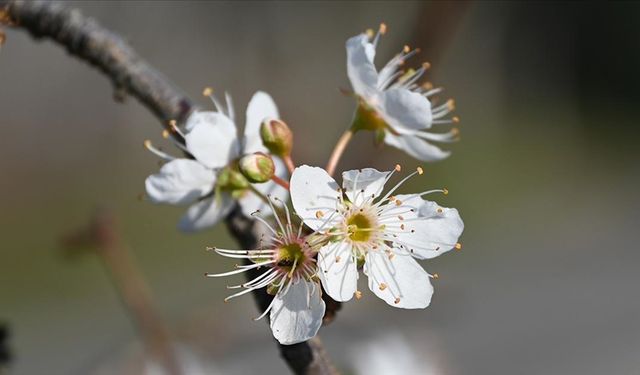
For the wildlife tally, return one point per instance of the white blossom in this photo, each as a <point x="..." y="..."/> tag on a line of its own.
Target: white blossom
<point x="393" y="102"/>
<point x="382" y="233"/>
<point x="290" y="275"/>
<point x="208" y="182"/>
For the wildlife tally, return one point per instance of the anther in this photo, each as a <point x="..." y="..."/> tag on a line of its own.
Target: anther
<point x="398" y="168"/>
<point x="398" y="202"/>
<point x="427" y="85"/>
<point x="319" y="214"/>
<point x="207" y="91"/>
<point x="436" y="276"/>
<point x="406" y="49"/>
<point x="397" y="300"/>
<point x="426" y="65"/>
<point x="439" y="210"/>
<point x="451" y="104"/>
<point x="165" y="134"/>
<point x="382" y="286"/>
<point x="420" y="170"/>
<point x="458" y="246"/>
<point x="358" y="294"/>
<point x="455" y="119"/>
<point x="400" y="217"/>
<point x="338" y="258"/>
<point x="445" y="191"/>
<point x="383" y="28"/>
<point x="147" y="143"/>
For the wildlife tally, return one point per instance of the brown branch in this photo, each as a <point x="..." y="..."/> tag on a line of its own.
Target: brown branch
<point x="87" y="40"/>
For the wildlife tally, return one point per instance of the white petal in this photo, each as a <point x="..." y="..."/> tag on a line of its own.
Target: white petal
<point x="260" y="107"/>
<point x="405" y="111"/>
<point x="360" y="68"/>
<point x="180" y="181"/>
<point x="338" y="271"/>
<point x="250" y="203"/>
<point x="206" y="213"/>
<point x="399" y="281"/>
<point x="435" y="232"/>
<point x="368" y="179"/>
<point x="297" y="315"/>
<point x="416" y="147"/>
<point x="212" y="140"/>
<point x="314" y="195"/>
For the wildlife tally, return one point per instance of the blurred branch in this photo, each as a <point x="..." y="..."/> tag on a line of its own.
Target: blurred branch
<point x="102" y="235"/>
<point x="85" y="39"/>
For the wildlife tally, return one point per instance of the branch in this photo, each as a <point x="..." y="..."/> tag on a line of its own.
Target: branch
<point x="85" y="39"/>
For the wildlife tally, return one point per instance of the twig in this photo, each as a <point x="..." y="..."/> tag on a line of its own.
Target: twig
<point x="85" y="39"/>
<point x="102" y="234"/>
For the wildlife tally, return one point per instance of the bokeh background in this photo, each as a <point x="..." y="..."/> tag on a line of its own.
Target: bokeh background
<point x="545" y="176"/>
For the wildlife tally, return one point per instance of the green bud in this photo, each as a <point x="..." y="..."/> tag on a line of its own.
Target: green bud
<point x="257" y="167"/>
<point x="231" y="179"/>
<point x="276" y="137"/>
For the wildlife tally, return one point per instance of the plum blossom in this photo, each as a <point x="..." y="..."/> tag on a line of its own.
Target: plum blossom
<point x="210" y="181"/>
<point x="290" y="275"/>
<point x="393" y="103"/>
<point x="383" y="234"/>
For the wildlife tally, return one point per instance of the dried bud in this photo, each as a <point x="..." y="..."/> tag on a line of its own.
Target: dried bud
<point x="257" y="167"/>
<point x="276" y="137"/>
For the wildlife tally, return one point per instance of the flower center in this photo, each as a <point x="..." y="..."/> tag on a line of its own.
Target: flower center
<point x="290" y="256"/>
<point x="367" y="118"/>
<point x="359" y="227"/>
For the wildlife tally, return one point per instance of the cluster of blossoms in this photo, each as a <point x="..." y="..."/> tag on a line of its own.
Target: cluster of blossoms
<point x="330" y="232"/>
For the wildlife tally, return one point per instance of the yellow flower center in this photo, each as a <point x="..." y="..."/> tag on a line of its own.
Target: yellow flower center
<point x="359" y="227"/>
<point x="290" y="256"/>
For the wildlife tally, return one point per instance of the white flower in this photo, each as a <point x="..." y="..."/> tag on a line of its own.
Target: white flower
<point x="297" y="308"/>
<point x="393" y="103"/>
<point x="386" y="233"/>
<point x="209" y="182"/>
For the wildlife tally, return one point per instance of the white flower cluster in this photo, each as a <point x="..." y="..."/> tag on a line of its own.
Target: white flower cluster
<point x="331" y="232"/>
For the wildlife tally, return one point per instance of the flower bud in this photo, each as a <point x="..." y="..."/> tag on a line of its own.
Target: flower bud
<point x="276" y="137"/>
<point x="257" y="167"/>
<point x="230" y="179"/>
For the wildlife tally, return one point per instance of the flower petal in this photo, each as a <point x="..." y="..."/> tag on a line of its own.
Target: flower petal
<point x="314" y="195"/>
<point x="212" y="140"/>
<point x="363" y="184"/>
<point x="297" y="315"/>
<point x="360" y="68"/>
<point x="180" y="181"/>
<point x="260" y="107"/>
<point x="416" y="147"/>
<point x="338" y="271"/>
<point x="404" y="110"/>
<point x="206" y="213"/>
<point x="250" y="203"/>
<point x="435" y="231"/>
<point x="398" y="280"/>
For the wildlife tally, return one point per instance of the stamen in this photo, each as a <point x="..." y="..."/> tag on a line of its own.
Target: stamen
<point x="208" y="91"/>
<point x="159" y="153"/>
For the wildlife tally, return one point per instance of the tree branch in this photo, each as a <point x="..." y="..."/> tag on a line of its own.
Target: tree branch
<point x="87" y="40"/>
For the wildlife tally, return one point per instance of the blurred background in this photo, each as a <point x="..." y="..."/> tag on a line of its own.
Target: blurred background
<point x="545" y="176"/>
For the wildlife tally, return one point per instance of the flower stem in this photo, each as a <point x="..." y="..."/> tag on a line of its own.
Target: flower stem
<point x="339" y="150"/>
<point x="289" y="162"/>
<point x="280" y="181"/>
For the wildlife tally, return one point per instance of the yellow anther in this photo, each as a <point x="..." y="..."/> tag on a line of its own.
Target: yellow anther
<point x="165" y="134"/>
<point x="319" y="214"/>
<point x="383" y="28"/>
<point x="370" y="33"/>
<point x="208" y="91"/>
<point x="445" y="191"/>
<point x="455" y="132"/>
<point x="458" y="246"/>
<point x="358" y="294"/>
<point x="455" y="119"/>
<point x="398" y="168"/>
<point x="420" y="170"/>
<point x="382" y="286"/>
<point x="398" y="202"/>
<point x="451" y="104"/>
<point x="147" y="143"/>
<point x="426" y="65"/>
<point x="436" y="276"/>
<point x="427" y="85"/>
<point x="406" y="49"/>
<point x="173" y="123"/>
